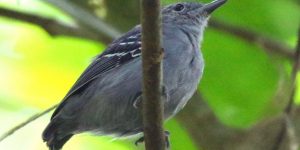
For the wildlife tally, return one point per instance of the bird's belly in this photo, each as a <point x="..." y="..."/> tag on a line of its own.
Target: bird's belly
<point x="178" y="98"/>
<point x="181" y="89"/>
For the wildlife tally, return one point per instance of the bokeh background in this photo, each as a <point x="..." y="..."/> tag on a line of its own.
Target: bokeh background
<point x="248" y="50"/>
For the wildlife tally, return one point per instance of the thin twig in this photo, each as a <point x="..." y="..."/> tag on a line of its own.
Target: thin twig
<point x="287" y="126"/>
<point x="296" y="67"/>
<point x="52" y="26"/>
<point x="29" y="120"/>
<point x="252" y="37"/>
<point x="152" y="75"/>
<point x="86" y="19"/>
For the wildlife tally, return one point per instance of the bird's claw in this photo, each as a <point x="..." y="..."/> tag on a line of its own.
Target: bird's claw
<point x="140" y="140"/>
<point x="167" y="140"/>
<point x="167" y="134"/>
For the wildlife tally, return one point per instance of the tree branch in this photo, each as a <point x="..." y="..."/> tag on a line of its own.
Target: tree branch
<point x="287" y="126"/>
<point x="86" y="19"/>
<point x="98" y="30"/>
<point x="252" y="37"/>
<point x="210" y="134"/>
<point x="152" y="55"/>
<point x="53" y="27"/>
<point x="29" y="120"/>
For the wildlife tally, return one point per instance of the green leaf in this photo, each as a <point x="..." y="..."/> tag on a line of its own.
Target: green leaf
<point x="239" y="79"/>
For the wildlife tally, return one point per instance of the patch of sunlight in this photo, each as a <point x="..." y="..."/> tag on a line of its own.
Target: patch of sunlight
<point x="37" y="7"/>
<point x="38" y="69"/>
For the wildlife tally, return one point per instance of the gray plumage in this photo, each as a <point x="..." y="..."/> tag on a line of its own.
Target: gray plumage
<point x="106" y="98"/>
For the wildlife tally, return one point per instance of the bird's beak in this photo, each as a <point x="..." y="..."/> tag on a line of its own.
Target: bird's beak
<point x="210" y="7"/>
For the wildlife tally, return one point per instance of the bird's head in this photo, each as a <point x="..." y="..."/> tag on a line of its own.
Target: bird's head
<point x="191" y="14"/>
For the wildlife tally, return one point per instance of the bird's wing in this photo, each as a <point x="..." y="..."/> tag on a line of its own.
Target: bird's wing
<point x="121" y="51"/>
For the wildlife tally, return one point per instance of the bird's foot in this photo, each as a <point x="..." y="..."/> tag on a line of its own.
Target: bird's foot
<point x="140" y="140"/>
<point x="167" y="140"/>
<point x="167" y="134"/>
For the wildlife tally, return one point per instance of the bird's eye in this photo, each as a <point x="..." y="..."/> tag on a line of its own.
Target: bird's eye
<point x="179" y="7"/>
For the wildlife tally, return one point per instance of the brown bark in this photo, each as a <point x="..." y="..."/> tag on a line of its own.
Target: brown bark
<point x="287" y="128"/>
<point x="152" y="75"/>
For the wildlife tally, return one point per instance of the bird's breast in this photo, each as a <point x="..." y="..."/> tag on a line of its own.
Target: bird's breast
<point x="181" y="80"/>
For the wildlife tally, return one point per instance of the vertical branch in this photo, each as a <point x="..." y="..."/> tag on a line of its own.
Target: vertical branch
<point x="287" y="128"/>
<point x="152" y="55"/>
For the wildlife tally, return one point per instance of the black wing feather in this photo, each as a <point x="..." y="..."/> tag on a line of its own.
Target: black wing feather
<point x="121" y="51"/>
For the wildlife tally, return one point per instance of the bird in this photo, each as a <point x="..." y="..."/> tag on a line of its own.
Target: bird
<point x="106" y="98"/>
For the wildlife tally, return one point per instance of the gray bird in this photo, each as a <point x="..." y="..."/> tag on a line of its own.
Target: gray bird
<point x="106" y="98"/>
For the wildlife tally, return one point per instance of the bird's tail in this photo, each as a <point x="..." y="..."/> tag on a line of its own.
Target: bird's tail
<point x="54" y="140"/>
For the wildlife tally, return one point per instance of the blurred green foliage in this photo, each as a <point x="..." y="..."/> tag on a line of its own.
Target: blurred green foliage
<point x="245" y="84"/>
<point x="240" y="80"/>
